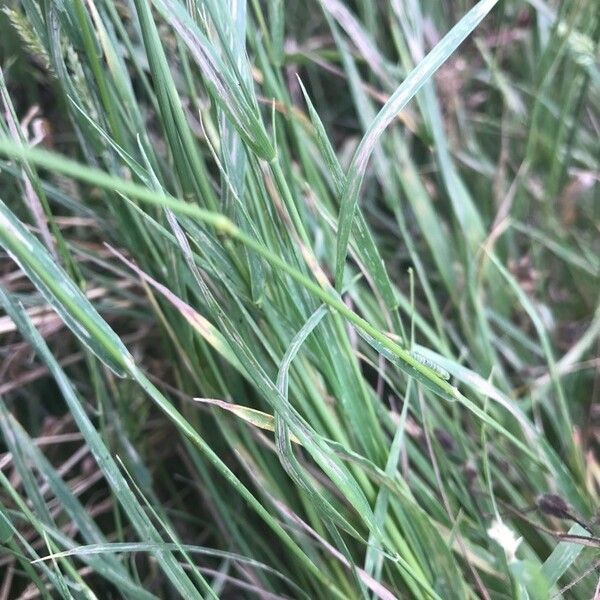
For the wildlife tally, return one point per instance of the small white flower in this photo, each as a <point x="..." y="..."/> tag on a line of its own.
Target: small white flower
<point x="506" y="537"/>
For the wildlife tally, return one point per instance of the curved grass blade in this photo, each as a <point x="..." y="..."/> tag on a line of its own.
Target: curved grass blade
<point x="403" y="359"/>
<point x="110" y="548"/>
<point x="61" y="293"/>
<point x="140" y="521"/>
<point x="400" y="98"/>
<point x="103" y="457"/>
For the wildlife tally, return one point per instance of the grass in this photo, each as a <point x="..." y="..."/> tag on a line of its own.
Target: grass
<point x="300" y="300"/>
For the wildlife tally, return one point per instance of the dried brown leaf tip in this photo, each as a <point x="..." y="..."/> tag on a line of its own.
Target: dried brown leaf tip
<point x="553" y="505"/>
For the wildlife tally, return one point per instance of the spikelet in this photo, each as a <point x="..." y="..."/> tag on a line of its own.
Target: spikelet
<point x="32" y="42"/>
<point x="80" y="83"/>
